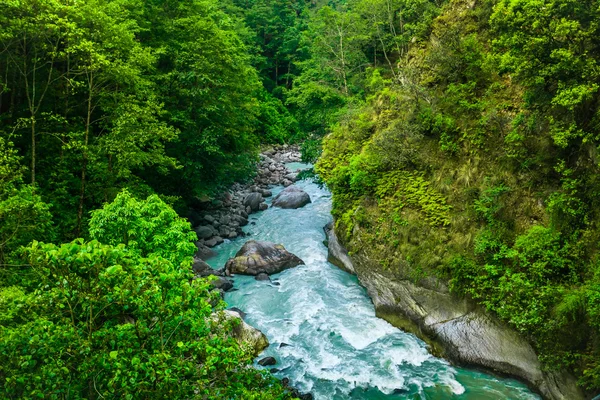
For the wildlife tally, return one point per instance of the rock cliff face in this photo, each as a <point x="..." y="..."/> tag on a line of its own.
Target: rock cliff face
<point x="453" y="327"/>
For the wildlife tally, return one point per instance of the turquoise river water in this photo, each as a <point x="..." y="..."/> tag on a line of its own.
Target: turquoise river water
<point x="336" y="347"/>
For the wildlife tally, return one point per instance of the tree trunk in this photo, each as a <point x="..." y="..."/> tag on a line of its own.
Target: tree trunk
<point x="85" y="148"/>
<point x="33" y="150"/>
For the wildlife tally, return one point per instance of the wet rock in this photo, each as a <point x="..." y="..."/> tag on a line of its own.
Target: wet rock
<point x="237" y="310"/>
<point x="204" y="231"/>
<point x="292" y="197"/>
<point x="292" y="176"/>
<point x="296" y="393"/>
<point x="200" y="267"/>
<point x="283" y="345"/>
<point x="221" y="283"/>
<point x="336" y="253"/>
<point x="262" y="277"/>
<point x="253" y="201"/>
<point x="203" y="252"/>
<point x="209" y="218"/>
<point x="217" y="240"/>
<point x="267" y="361"/>
<point x="232" y="235"/>
<point x="242" y="221"/>
<point x="255" y="257"/>
<point x="263" y="207"/>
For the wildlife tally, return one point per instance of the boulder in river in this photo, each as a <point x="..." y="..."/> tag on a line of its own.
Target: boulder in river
<point x="262" y="277"/>
<point x="255" y="257"/>
<point x="201" y="268"/>
<point x="293" y="176"/>
<point x="267" y="361"/>
<point x="253" y="201"/>
<point x="291" y="197"/>
<point x="221" y="283"/>
<point x="214" y="241"/>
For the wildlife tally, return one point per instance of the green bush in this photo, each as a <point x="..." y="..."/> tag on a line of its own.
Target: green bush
<point x="104" y="322"/>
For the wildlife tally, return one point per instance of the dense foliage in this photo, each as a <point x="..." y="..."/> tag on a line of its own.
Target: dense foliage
<point x="121" y="319"/>
<point x="104" y="103"/>
<point x="461" y="143"/>
<point x="472" y="157"/>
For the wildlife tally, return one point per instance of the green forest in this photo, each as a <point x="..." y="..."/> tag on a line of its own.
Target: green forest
<point x="459" y="138"/>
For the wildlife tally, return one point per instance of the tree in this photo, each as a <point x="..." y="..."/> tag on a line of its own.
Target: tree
<point x="104" y="322"/>
<point x="23" y="215"/>
<point x="148" y="226"/>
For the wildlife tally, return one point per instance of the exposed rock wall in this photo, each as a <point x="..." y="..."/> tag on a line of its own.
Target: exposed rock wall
<point x="453" y="327"/>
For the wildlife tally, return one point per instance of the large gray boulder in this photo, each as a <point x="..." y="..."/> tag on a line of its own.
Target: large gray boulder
<point x="291" y="197"/>
<point x="253" y="201"/>
<point x="201" y="268"/>
<point x="261" y="257"/>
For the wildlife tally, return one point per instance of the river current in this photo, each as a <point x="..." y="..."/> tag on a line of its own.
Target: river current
<point x="322" y="325"/>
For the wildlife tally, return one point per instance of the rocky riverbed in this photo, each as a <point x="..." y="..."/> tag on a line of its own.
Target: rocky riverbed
<point x="222" y="218"/>
<point x="324" y="335"/>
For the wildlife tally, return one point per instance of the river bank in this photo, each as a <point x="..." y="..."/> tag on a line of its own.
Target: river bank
<point x="322" y="327"/>
<point x="454" y="328"/>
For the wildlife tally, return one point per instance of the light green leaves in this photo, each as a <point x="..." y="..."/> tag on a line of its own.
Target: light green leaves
<point x="148" y="226"/>
<point x="115" y="269"/>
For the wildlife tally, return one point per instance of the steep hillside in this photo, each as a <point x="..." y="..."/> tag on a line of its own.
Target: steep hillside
<point x="474" y="167"/>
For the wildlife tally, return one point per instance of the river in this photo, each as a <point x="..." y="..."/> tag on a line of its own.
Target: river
<point x="322" y="325"/>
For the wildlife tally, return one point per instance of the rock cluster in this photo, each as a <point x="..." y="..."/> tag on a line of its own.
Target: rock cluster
<point x="215" y="220"/>
<point x="202" y="269"/>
